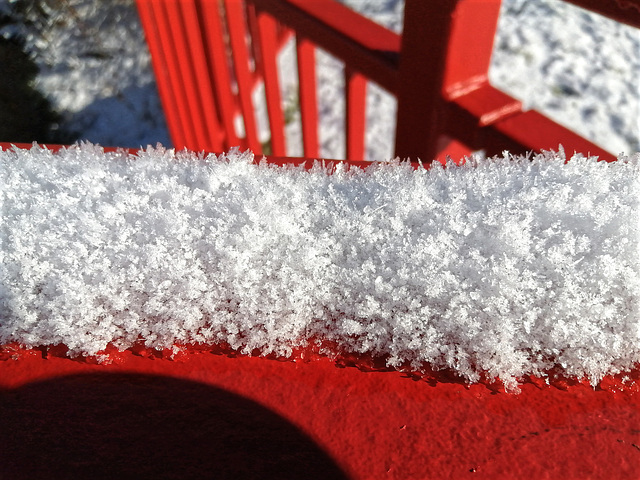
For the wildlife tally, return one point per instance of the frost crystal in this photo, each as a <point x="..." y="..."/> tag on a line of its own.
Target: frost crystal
<point x="502" y="267"/>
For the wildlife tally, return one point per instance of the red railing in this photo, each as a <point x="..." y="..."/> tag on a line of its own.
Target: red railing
<point x="209" y="56"/>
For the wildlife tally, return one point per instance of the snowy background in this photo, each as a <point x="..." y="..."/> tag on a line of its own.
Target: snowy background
<point x="579" y="68"/>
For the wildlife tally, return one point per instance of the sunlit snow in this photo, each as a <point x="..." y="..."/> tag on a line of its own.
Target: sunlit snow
<point x="503" y="266"/>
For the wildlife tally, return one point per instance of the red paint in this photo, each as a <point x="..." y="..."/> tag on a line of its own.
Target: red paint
<point x="438" y="74"/>
<point x="306" y="56"/>
<point x="623" y="11"/>
<point x="190" y="411"/>
<point x="372" y="424"/>
<point x="361" y="43"/>
<point x="238" y="34"/>
<point x="208" y="50"/>
<point x="356" y="99"/>
<point x="165" y="78"/>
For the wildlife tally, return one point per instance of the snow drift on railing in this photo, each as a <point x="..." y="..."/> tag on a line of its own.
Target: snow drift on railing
<point x="501" y="267"/>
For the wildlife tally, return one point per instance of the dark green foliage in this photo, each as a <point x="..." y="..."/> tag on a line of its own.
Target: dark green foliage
<point x="25" y="114"/>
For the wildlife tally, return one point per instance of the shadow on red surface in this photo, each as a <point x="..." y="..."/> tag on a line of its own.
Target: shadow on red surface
<point x="210" y="415"/>
<point x="119" y="426"/>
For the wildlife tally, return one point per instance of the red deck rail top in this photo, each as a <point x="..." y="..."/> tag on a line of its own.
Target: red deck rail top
<point x="209" y="412"/>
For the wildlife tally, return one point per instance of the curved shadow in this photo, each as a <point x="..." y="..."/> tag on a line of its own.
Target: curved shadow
<point x="119" y="426"/>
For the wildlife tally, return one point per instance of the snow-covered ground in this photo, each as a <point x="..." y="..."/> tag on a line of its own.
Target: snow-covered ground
<point x="95" y="69"/>
<point x="581" y="69"/>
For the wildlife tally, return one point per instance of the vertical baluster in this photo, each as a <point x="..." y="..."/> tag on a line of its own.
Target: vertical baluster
<point x="176" y="86"/>
<point x="308" y="96"/>
<point x="163" y="73"/>
<point x="355" y="92"/>
<point x="202" y="86"/>
<point x="178" y="28"/>
<point x="470" y="45"/>
<point x="238" y="35"/>
<point x="421" y="109"/>
<point x="268" y="43"/>
<point x="252" y="24"/>
<point x="215" y="54"/>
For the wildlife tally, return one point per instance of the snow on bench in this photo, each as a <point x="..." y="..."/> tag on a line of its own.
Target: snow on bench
<point x="499" y="268"/>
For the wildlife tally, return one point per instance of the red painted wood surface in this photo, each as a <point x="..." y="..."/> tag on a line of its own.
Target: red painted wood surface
<point x="168" y="90"/>
<point x="188" y="63"/>
<point x="361" y="43"/>
<point x="439" y="74"/>
<point x="421" y="116"/>
<point x="238" y="33"/>
<point x="203" y="412"/>
<point x="268" y="47"/>
<point x="470" y="44"/>
<point x="202" y="415"/>
<point x="355" y="99"/>
<point x="306" y="59"/>
<point x="205" y="19"/>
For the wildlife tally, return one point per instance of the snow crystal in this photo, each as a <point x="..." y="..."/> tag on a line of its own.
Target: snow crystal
<point x="500" y="267"/>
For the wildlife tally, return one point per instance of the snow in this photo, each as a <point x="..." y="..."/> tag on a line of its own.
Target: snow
<point x="95" y="69"/>
<point x="579" y="68"/>
<point x="499" y="268"/>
